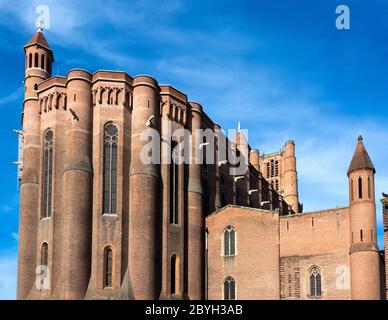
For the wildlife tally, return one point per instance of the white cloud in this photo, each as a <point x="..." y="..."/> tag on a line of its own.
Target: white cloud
<point x="75" y="24"/>
<point x="284" y="107"/>
<point x="15" y="236"/>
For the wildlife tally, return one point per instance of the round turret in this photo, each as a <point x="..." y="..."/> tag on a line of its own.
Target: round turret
<point x="364" y="255"/>
<point x="290" y="180"/>
<point x="254" y="159"/>
<point x="143" y="206"/>
<point x="39" y="58"/>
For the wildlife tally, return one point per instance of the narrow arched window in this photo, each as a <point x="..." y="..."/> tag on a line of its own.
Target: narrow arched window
<point x="229" y="289"/>
<point x="369" y="188"/>
<point x="47" y="173"/>
<point x="229" y="241"/>
<point x="42" y="61"/>
<point x="176" y="112"/>
<point x="44" y="255"/>
<point x="268" y="170"/>
<point x="174" y="182"/>
<point x="110" y="97"/>
<point x="276" y="168"/>
<point x="360" y="187"/>
<point x="174" y="280"/>
<point x="44" y="272"/>
<point x="173" y="261"/>
<point x="108" y="268"/>
<point x="36" y="62"/>
<point x="127" y="100"/>
<point x="48" y="64"/>
<point x="30" y="60"/>
<point x="277" y="185"/>
<point x="351" y="190"/>
<point x="272" y="168"/>
<point x="110" y="168"/>
<point x="315" y="281"/>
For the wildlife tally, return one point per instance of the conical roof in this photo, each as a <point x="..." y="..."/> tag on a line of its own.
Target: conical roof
<point x="361" y="159"/>
<point x="39" y="39"/>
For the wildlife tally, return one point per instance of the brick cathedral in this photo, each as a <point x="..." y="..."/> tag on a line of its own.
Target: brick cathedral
<point x="96" y="222"/>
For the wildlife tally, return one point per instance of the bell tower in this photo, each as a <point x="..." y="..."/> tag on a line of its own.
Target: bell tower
<point x="39" y="56"/>
<point x="364" y="253"/>
<point x="39" y="59"/>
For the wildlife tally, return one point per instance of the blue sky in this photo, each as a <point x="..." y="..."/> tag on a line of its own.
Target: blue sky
<point x="280" y="67"/>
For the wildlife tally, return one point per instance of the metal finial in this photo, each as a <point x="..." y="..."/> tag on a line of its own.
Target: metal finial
<point x="360" y="137"/>
<point x="39" y="27"/>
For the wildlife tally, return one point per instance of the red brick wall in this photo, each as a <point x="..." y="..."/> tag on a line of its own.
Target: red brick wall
<point x="318" y="238"/>
<point x="255" y="267"/>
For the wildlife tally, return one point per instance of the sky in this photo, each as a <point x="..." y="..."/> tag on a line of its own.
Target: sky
<point x="281" y="68"/>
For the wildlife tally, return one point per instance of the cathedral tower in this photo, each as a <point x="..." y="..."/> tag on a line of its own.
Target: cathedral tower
<point x="290" y="176"/>
<point x="364" y="255"/>
<point x="39" y="58"/>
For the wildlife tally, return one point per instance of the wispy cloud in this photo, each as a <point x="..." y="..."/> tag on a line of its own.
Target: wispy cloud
<point x="10" y="205"/>
<point x="287" y="107"/>
<point x="226" y="68"/>
<point x="13" y="96"/>
<point x="71" y="27"/>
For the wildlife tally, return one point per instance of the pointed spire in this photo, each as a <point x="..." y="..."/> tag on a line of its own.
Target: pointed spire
<point x="240" y="138"/>
<point x="361" y="159"/>
<point x="38" y="38"/>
